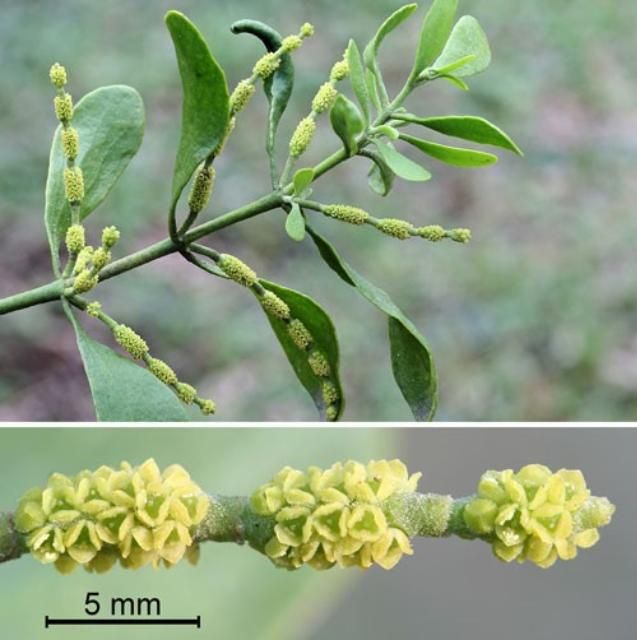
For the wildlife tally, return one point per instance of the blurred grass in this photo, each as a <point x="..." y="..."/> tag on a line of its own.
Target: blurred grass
<point x="534" y="320"/>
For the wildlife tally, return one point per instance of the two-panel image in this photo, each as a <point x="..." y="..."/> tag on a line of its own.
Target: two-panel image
<point x="318" y="320"/>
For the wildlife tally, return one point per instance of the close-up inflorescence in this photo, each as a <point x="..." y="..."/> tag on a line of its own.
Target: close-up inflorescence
<point x="348" y="515"/>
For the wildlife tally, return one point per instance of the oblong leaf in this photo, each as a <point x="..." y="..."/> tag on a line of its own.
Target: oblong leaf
<point x="123" y="391"/>
<point x="451" y="155"/>
<point x="205" y="106"/>
<point x="302" y="180"/>
<point x="380" y="177"/>
<point x="394" y="20"/>
<point x="320" y="326"/>
<point x="466" y="39"/>
<point x="412" y="363"/>
<point x="434" y="33"/>
<point x="401" y="165"/>
<point x="110" y="123"/>
<point x="295" y="223"/>
<point x="357" y="77"/>
<point x="278" y="87"/>
<point x="472" y="128"/>
<point x="347" y="122"/>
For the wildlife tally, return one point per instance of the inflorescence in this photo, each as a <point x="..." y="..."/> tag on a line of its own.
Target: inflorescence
<point x="137" y="515"/>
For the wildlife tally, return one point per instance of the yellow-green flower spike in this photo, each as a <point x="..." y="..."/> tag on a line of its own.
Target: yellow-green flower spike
<point x="110" y="237"/>
<point x="266" y="65"/>
<point x="70" y="143"/>
<point x="301" y="337"/>
<point x="84" y="281"/>
<point x="101" y="257"/>
<point x="275" y="306"/>
<point x="319" y="364"/>
<point x="75" y="238"/>
<point x="74" y="184"/>
<point x="291" y="43"/>
<point x="63" y="106"/>
<point x="396" y="228"/>
<point x="241" y="95"/>
<point x="57" y="74"/>
<point x="331" y="413"/>
<point x="130" y="341"/>
<point x="345" y="213"/>
<point x="335" y="516"/>
<point x="432" y="232"/>
<point x="137" y="515"/>
<point x="307" y="30"/>
<point x="339" y="71"/>
<point x="302" y="136"/>
<point x="186" y="392"/>
<point x="330" y="393"/>
<point x="94" y="309"/>
<point x="237" y="270"/>
<point x="324" y="98"/>
<point x="534" y="514"/>
<point x="201" y="188"/>
<point x="162" y="371"/>
<point x="460" y="235"/>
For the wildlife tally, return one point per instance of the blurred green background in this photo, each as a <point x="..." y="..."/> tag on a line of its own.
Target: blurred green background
<point x="449" y="589"/>
<point x="534" y="320"/>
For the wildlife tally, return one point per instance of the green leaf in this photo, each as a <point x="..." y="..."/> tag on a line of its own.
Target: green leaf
<point x="451" y="155"/>
<point x="375" y="82"/>
<point x="320" y="326"/>
<point x="388" y="131"/>
<point x="123" y="391"/>
<point x="110" y="123"/>
<point x="458" y="82"/>
<point x="295" y="223"/>
<point x="205" y="107"/>
<point x="347" y="122"/>
<point x="471" y="128"/>
<point x="466" y="39"/>
<point x="373" y="89"/>
<point x="380" y="177"/>
<point x="394" y="20"/>
<point x="401" y="165"/>
<point x="278" y="87"/>
<point x="434" y="33"/>
<point x="412" y="363"/>
<point x="357" y="77"/>
<point x="302" y="180"/>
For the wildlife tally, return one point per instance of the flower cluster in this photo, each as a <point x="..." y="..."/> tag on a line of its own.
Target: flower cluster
<point x="137" y="515"/>
<point x="534" y="514"/>
<point x="335" y="516"/>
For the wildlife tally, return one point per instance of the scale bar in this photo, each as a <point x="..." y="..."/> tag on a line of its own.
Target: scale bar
<point x="50" y="622"/>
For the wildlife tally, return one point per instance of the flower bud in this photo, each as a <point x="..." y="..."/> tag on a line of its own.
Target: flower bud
<point x="396" y="228"/>
<point x="324" y="98"/>
<point x="432" y="232"/>
<point x="301" y="337"/>
<point x="319" y="364"/>
<point x="302" y="136"/>
<point x="330" y="393"/>
<point x="237" y="270"/>
<point x="130" y="341"/>
<point x="57" y="74"/>
<point x="63" y="106"/>
<point x="74" y="184"/>
<point x="460" y="235"/>
<point x="101" y="257"/>
<point x="241" y="95"/>
<point x="275" y="306"/>
<point x="201" y="188"/>
<point x="83" y="259"/>
<point x="207" y="407"/>
<point x="85" y="281"/>
<point x="339" y="71"/>
<point x="75" y="238"/>
<point x="187" y="393"/>
<point x="110" y="237"/>
<point x="307" y="30"/>
<point x="266" y="65"/>
<point x="70" y="143"/>
<point x="162" y="371"/>
<point x="94" y="309"/>
<point x="291" y="43"/>
<point x="345" y="213"/>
